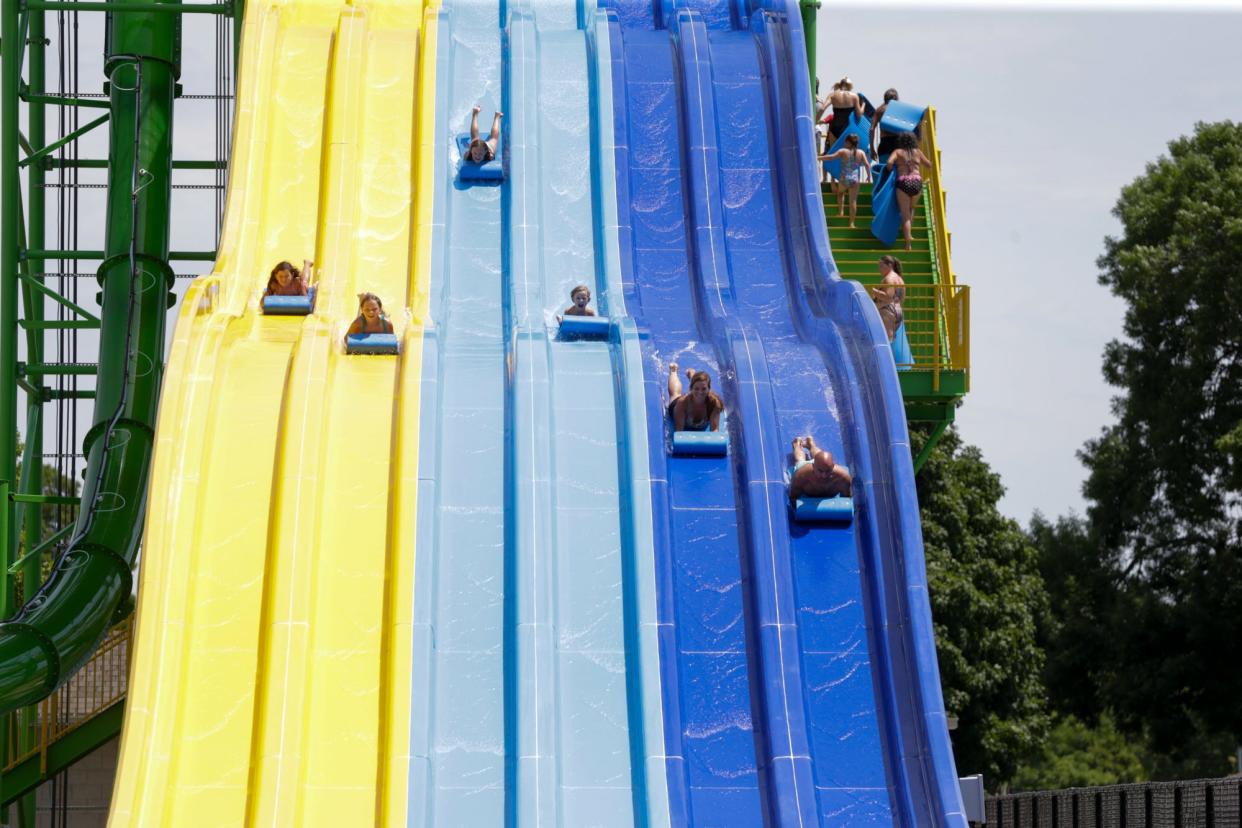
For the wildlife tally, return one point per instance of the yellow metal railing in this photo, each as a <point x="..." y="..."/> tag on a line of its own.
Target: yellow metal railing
<point x="937" y="325"/>
<point x="98" y="685"/>
<point x="956" y="305"/>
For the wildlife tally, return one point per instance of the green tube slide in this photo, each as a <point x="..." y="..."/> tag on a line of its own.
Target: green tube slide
<point x="59" y="627"/>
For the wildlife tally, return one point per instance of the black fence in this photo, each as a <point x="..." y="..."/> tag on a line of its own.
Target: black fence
<point x="1199" y="803"/>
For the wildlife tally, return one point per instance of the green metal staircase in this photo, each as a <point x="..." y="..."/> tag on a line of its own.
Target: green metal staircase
<point x="937" y="308"/>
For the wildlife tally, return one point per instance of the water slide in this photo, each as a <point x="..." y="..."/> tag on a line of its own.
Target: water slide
<point x="829" y="711"/>
<point x="273" y="633"/>
<point x="538" y="699"/>
<point x="466" y="584"/>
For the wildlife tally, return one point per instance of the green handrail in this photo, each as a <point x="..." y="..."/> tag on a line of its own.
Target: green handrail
<point x="55" y="632"/>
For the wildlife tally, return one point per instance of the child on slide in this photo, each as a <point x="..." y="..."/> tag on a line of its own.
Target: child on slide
<point x="287" y="280"/>
<point x="371" y="318"/>
<point x="478" y="150"/>
<point x="579" y="298"/>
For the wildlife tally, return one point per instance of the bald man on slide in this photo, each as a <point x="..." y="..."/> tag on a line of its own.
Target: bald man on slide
<point x="816" y="473"/>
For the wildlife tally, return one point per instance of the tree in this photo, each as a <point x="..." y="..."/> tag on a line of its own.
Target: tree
<point x="987" y="598"/>
<point x="1076" y="755"/>
<point x="1164" y="481"/>
<point x="1084" y="607"/>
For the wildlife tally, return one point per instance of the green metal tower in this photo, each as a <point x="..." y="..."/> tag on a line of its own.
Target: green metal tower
<point x="60" y="594"/>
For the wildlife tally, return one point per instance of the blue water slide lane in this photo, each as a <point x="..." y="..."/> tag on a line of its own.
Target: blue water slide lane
<point x="778" y="393"/>
<point x="838" y="316"/>
<point x="712" y="768"/>
<point x="457" y="723"/>
<point x="573" y="758"/>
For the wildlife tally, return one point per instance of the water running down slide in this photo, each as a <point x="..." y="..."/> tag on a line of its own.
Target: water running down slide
<point x="335" y="623"/>
<point x="534" y="705"/>
<point x="273" y="617"/>
<point x="843" y="689"/>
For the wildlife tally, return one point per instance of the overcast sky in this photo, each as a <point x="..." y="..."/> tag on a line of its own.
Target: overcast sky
<point x="1042" y="117"/>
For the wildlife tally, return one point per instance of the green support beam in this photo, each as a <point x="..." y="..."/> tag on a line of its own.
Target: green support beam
<point x="810" y="10"/>
<point x="176" y="255"/>
<point x="932" y="440"/>
<point x="11" y="41"/>
<point x="60" y="100"/>
<point x="140" y="8"/>
<point x="62" y="753"/>
<point x="101" y="164"/>
<point x="57" y="144"/>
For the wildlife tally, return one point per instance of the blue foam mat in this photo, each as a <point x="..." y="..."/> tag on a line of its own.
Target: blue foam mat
<point x="700" y="443"/>
<point x="857" y="127"/>
<point x="902" y="116"/>
<point x="491" y="171"/>
<point x="371" y="344"/>
<point x="901" y="349"/>
<point x="595" y="327"/>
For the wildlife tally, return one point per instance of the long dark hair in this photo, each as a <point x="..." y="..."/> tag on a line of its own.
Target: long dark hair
<point x="273" y="282"/>
<point x="712" y="399"/>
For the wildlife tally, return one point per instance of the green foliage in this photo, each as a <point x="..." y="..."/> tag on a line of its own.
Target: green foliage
<point x="1146" y="592"/>
<point x="1076" y="755"/>
<point x="1165" y="519"/>
<point x="987" y="598"/>
<point x="1084" y="606"/>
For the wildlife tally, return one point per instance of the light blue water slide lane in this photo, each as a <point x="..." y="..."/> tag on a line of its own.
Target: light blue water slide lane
<point x="582" y="700"/>
<point x="712" y="769"/>
<point x="536" y="697"/>
<point x="841" y="320"/>
<point x="457" y="739"/>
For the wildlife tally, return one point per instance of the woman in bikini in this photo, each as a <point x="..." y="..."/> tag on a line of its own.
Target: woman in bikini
<point x="697" y="411"/>
<point x="890" y="295"/>
<point x="843" y="100"/>
<point x="853" y="168"/>
<point x="478" y="150"/>
<point x="287" y="280"/>
<point x="909" y="162"/>
<point x="371" y="318"/>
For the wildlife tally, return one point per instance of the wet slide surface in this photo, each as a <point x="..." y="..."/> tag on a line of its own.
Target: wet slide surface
<point x="817" y="628"/>
<point x="713" y="770"/>
<point x="566" y="662"/>
<point x="272" y="604"/>
<point x="466" y="584"/>
<point x="529" y="706"/>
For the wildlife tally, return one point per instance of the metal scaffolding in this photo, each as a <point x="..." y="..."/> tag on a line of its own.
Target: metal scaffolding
<point x="61" y="355"/>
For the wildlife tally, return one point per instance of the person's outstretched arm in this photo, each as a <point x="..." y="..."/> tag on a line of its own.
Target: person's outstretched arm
<point x="474" y="123"/>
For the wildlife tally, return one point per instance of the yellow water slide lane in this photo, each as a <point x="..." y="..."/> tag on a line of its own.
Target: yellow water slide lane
<point x="273" y="619"/>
